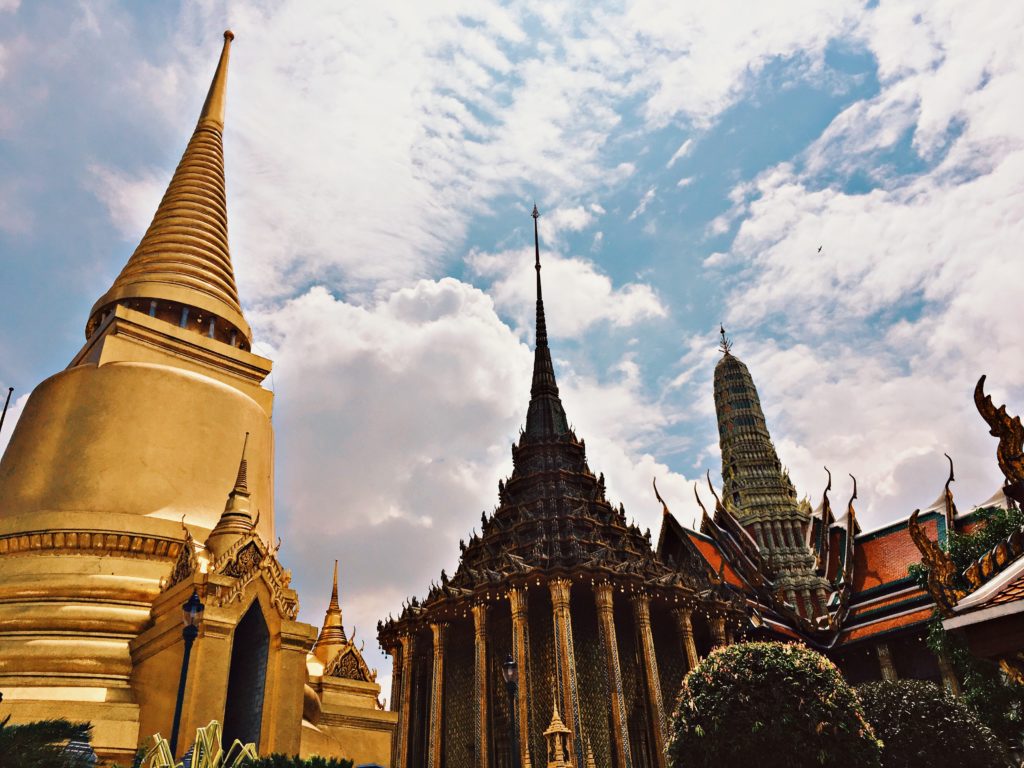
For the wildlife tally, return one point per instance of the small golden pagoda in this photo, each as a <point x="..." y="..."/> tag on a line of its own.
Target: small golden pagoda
<point x="144" y="471"/>
<point x="600" y="628"/>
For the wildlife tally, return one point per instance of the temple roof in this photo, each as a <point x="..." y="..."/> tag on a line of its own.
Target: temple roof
<point x="553" y="515"/>
<point x="183" y="256"/>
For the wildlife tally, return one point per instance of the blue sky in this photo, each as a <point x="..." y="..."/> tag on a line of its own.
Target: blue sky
<point x="689" y="160"/>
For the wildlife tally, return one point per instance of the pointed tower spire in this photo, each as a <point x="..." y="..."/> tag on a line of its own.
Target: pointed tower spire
<point x="181" y="270"/>
<point x="545" y="419"/>
<point x="332" y="636"/>
<point x="236" y="520"/>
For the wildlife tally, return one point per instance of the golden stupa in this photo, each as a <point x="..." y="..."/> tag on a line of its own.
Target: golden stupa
<point x="144" y="470"/>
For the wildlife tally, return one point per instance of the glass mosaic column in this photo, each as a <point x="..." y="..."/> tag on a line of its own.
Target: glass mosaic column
<point x="642" y="611"/>
<point x="604" y="598"/>
<point x="434" y="748"/>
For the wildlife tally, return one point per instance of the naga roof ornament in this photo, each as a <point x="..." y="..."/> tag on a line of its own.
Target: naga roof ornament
<point x="1010" y="452"/>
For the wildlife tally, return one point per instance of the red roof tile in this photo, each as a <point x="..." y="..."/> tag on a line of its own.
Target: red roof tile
<point x="885" y="558"/>
<point x="714" y="558"/>
<point x="896" y="622"/>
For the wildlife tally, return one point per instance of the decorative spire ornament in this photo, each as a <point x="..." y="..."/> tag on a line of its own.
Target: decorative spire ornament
<point x="545" y="419"/>
<point x="332" y="636"/>
<point x="726" y="345"/>
<point x="236" y="520"/>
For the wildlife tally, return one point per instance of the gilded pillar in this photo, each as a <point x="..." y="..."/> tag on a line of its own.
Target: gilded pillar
<point x="718" y="637"/>
<point x="435" y="757"/>
<point x="684" y="618"/>
<point x="604" y="598"/>
<point x="407" y="647"/>
<point x="480" y="659"/>
<point x="885" y="664"/>
<point x="949" y="678"/>
<point x="565" y="659"/>
<point x="520" y="650"/>
<point x="642" y="611"/>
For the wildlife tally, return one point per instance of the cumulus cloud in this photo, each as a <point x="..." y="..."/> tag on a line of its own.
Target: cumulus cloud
<point x="394" y="422"/>
<point x="578" y="294"/>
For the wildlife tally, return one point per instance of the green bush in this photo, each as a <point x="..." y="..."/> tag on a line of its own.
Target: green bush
<point x="773" y="705"/>
<point x="41" y="744"/>
<point x="921" y="724"/>
<point x="283" y="761"/>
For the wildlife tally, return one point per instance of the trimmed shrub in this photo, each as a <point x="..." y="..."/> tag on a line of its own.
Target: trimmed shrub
<point x="283" y="761"/>
<point x="921" y="724"/>
<point x="773" y="705"/>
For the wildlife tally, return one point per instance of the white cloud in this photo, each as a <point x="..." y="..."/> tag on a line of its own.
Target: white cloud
<point x="644" y="202"/>
<point x="577" y="294"/>
<point x="683" y="151"/>
<point x="394" y="423"/>
<point x="9" y="6"/>
<point x="131" y="201"/>
<point x="906" y="305"/>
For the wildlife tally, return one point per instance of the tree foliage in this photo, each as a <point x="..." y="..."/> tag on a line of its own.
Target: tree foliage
<point x="774" y="705"/>
<point x="997" y="701"/>
<point x="41" y="744"/>
<point x="921" y="724"/>
<point x="993" y="525"/>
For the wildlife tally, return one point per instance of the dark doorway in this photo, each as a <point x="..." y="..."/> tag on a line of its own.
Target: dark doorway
<point x="243" y="711"/>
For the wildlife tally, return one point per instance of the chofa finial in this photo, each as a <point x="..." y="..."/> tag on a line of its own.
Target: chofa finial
<point x="726" y="345"/>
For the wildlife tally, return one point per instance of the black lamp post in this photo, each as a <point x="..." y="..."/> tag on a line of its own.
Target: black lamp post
<point x="510" y="671"/>
<point x="191" y="616"/>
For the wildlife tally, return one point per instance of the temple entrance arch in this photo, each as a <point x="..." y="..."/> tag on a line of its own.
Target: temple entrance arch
<point x="247" y="677"/>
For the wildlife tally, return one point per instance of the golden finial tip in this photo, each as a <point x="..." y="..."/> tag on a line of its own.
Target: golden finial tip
<point x="229" y="35"/>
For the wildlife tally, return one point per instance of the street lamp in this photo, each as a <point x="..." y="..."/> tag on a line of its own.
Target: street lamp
<point x="191" y="617"/>
<point x="510" y="671"/>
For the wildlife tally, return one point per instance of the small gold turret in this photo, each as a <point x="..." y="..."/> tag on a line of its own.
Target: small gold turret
<point x="236" y="520"/>
<point x="557" y="738"/>
<point x="332" y="637"/>
<point x="181" y="270"/>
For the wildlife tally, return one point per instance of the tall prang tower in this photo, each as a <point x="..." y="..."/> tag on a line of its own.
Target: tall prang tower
<point x="758" y="491"/>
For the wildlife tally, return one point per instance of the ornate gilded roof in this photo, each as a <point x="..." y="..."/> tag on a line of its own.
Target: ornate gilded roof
<point x="553" y="514"/>
<point x="184" y="256"/>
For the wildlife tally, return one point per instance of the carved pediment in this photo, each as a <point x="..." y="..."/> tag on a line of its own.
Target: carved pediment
<point x="350" y="665"/>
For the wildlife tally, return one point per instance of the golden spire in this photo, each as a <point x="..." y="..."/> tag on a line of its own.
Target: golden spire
<point x="235" y="521"/>
<point x="332" y="636"/>
<point x="181" y="270"/>
<point x="213" y="107"/>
